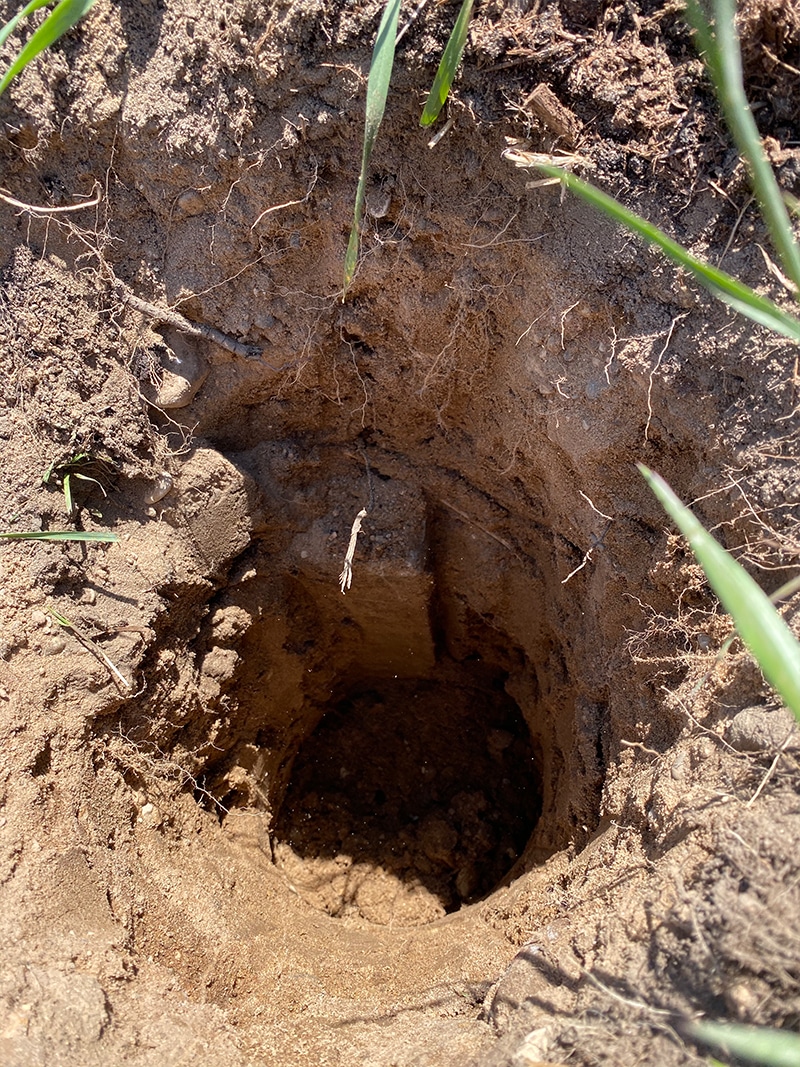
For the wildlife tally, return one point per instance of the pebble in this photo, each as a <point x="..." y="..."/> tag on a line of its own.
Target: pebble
<point x="53" y="646"/>
<point x="150" y="816"/>
<point x="679" y="767"/>
<point x="191" y="202"/>
<point x="759" y="729"/>
<point x="377" y="202"/>
<point x="160" y="489"/>
<point x="183" y="372"/>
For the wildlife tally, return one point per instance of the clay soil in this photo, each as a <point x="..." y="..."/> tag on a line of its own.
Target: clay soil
<point x="503" y="802"/>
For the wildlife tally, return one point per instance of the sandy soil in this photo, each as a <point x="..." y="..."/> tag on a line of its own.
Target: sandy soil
<point x="502" y="803"/>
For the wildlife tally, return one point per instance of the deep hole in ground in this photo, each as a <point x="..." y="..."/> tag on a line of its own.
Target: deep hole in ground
<point x="408" y="743"/>
<point x="501" y="362"/>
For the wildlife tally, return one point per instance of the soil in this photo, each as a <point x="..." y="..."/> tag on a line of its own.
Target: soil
<point x="503" y="801"/>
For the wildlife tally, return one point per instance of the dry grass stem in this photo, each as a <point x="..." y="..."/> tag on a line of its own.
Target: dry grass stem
<point x="346" y="577"/>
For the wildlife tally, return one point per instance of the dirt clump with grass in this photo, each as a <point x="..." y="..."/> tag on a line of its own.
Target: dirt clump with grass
<point x="501" y="802"/>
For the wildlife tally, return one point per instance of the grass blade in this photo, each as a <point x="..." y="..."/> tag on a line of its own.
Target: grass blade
<point x="773" y="1048"/>
<point x="59" y="535"/>
<point x="380" y="73"/>
<point x="34" y="5"/>
<point x="62" y="18"/>
<point x="734" y="293"/>
<point x="451" y="57"/>
<point x="68" y="495"/>
<point x="759" y="625"/>
<point x="722" y="54"/>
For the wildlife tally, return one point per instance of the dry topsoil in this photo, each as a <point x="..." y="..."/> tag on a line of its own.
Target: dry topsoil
<point x="502" y="802"/>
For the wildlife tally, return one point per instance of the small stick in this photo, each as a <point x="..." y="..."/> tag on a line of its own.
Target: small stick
<point x="438" y="136"/>
<point x="771" y="770"/>
<point x="346" y="577"/>
<point x="495" y="537"/>
<point x="415" y="14"/>
<point x="90" y="645"/>
<point x="195" y="329"/>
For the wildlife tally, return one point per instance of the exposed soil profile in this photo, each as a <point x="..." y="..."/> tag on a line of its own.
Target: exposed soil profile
<point x="502" y="802"/>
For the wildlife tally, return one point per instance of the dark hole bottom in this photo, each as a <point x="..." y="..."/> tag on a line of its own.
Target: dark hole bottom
<point x="431" y="786"/>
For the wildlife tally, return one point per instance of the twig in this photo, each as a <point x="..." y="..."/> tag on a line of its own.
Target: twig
<point x="438" y="136"/>
<point x="174" y="318"/>
<point x="771" y="769"/>
<point x="415" y="14"/>
<point x="640" y="746"/>
<point x="90" y="645"/>
<point x="477" y="525"/>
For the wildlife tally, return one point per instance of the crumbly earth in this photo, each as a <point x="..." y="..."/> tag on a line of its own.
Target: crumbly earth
<point x="503" y="802"/>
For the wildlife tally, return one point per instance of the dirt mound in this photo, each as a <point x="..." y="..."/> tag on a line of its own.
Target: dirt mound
<point x="501" y="802"/>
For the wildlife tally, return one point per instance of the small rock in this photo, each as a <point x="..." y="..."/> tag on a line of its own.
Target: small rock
<point x="377" y="202"/>
<point x="533" y="1048"/>
<point x="38" y="618"/>
<point x="704" y="749"/>
<point x="679" y="766"/>
<point x="53" y="646"/>
<point x="183" y="371"/>
<point x="191" y="203"/>
<point x="760" y="729"/>
<point x="160" y="489"/>
<point x="150" y="816"/>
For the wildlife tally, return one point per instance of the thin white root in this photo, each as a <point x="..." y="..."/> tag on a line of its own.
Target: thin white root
<point x="346" y="577"/>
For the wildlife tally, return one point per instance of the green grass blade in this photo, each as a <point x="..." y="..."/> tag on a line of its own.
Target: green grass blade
<point x="735" y="293"/>
<point x="720" y="46"/>
<point x="380" y="73"/>
<point x="59" y="535"/>
<point x="451" y="57"/>
<point x="9" y="27"/>
<point x="62" y="18"/>
<point x="772" y="1048"/>
<point x="759" y="625"/>
<point x="68" y="496"/>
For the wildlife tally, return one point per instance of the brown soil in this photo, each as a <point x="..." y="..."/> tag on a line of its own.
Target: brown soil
<point x="501" y="802"/>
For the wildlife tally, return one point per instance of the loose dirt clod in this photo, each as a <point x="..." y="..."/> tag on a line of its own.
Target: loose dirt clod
<point x="503" y="800"/>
